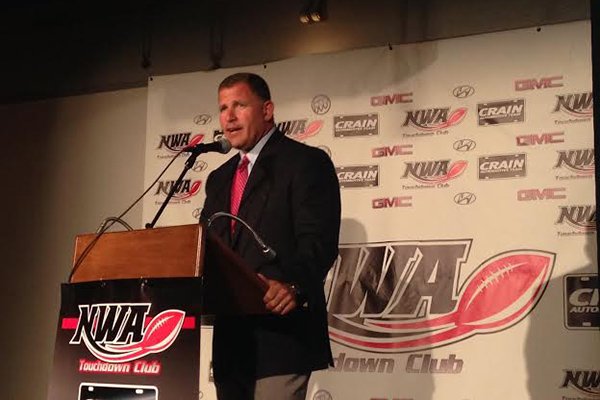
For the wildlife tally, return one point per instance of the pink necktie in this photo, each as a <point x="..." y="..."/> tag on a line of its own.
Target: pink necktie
<point x="237" y="187"/>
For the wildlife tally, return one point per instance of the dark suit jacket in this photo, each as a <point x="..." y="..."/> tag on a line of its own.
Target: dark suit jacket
<point x="292" y="200"/>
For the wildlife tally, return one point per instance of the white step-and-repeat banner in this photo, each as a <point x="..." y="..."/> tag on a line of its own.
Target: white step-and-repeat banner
<point x="467" y="265"/>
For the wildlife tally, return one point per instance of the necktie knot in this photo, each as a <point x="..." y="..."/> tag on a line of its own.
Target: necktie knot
<point x="244" y="163"/>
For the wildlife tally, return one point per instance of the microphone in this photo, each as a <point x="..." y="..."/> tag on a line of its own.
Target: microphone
<point x="268" y="251"/>
<point x="222" y="145"/>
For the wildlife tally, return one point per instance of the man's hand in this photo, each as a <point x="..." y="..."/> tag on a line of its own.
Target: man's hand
<point x="280" y="297"/>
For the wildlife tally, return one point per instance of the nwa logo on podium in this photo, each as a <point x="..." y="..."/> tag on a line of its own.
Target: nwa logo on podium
<point x="123" y="332"/>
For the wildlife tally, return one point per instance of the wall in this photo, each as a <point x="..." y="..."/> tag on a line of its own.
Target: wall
<point x="67" y="164"/>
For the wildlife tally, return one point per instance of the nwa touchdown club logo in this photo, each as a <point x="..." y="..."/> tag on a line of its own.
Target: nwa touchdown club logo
<point x="118" y="332"/>
<point x="300" y="129"/>
<point x="582" y="218"/>
<point x="581" y="162"/>
<point x="434" y="119"/>
<point x="398" y="297"/>
<point x="434" y="172"/>
<point x="578" y="105"/>
<point x="186" y="189"/>
<point x="175" y="142"/>
<point x="585" y="381"/>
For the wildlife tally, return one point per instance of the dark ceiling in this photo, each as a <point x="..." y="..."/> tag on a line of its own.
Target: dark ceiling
<point x="58" y="48"/>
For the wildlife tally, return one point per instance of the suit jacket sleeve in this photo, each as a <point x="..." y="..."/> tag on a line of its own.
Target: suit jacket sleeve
<point x="316" y="222"/>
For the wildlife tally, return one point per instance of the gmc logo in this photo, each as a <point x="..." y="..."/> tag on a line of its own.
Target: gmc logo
<point x="389" y="202"/>
<point x="542" y="83"/>
<point x="397" y="150"/>
<point x="391" y="99"/>
<point x="541" y="138"/>
<point x="543" y="194"/>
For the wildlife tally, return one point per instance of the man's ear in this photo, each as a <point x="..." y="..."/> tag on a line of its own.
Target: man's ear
<point x="268" y="109"/>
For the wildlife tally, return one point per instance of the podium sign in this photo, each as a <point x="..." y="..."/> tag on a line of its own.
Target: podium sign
<point x="128" y="339"/>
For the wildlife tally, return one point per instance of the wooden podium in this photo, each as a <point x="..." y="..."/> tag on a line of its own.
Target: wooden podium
<point x="230" y="285"/>
<point x="130" y="316"/>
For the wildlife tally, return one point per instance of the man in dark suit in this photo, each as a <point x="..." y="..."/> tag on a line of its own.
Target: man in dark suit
<point x="289" y="193"/>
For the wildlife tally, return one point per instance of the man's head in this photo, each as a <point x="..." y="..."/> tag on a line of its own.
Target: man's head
<point x="245" y="109"/>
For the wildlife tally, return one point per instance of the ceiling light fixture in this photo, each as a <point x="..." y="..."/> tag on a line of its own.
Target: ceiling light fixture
<point x="313" y="11"/>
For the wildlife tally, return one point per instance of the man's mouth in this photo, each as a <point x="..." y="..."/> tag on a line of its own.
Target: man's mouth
<point x="233" y="130"/>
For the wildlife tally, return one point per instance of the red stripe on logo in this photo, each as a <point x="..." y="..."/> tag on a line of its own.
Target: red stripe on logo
<point x="69" y="323"/>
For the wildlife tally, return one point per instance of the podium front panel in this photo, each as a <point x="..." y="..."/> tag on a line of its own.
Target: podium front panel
<point x="128" y="339"/>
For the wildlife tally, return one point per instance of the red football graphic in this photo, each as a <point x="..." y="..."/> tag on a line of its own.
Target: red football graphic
<point x="456" y="116"/>
<point x="196" y="140"/>
<point x="162" y="331"/>
<point x="314" y="127"/>
<point x="504" y="289"/>
<point x="456" y="169"/>
<point x="195" y="187"/>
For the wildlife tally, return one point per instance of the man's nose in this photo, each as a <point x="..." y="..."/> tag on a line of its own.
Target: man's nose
<point x="230" y="115"/>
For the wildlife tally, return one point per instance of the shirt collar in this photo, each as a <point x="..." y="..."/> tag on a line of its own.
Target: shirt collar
<point x="255" y="151"/>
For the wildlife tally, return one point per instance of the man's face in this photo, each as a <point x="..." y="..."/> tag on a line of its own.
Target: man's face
<point x="244" y="116"/>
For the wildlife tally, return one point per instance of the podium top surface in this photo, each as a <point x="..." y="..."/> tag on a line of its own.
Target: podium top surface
<point x="175" y="251"/>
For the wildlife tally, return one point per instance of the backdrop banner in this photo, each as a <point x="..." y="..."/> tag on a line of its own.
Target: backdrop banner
<point x="467" y="264"/>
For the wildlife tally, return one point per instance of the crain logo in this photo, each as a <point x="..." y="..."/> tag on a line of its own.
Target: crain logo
<point x="432" y="172"/>
<point x="184" y="190"/>
<point x="501" y="112"/>
<point x="175" y="142"/>
<point x="582" y="162"/>
<point x="582" y="218"/>
<point x="582" y="301"/>
<point x="406" y="296"/>
<point x="432" y="119"/>
<point x="586" y="381"/>
<point x="115" y="332"/>
<point x="577" y="104"/>
<point x="320" y="104"/>
<point x="358" y="176"/>
<point x="300" y="129"/>
<point x="463" y="91"/>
